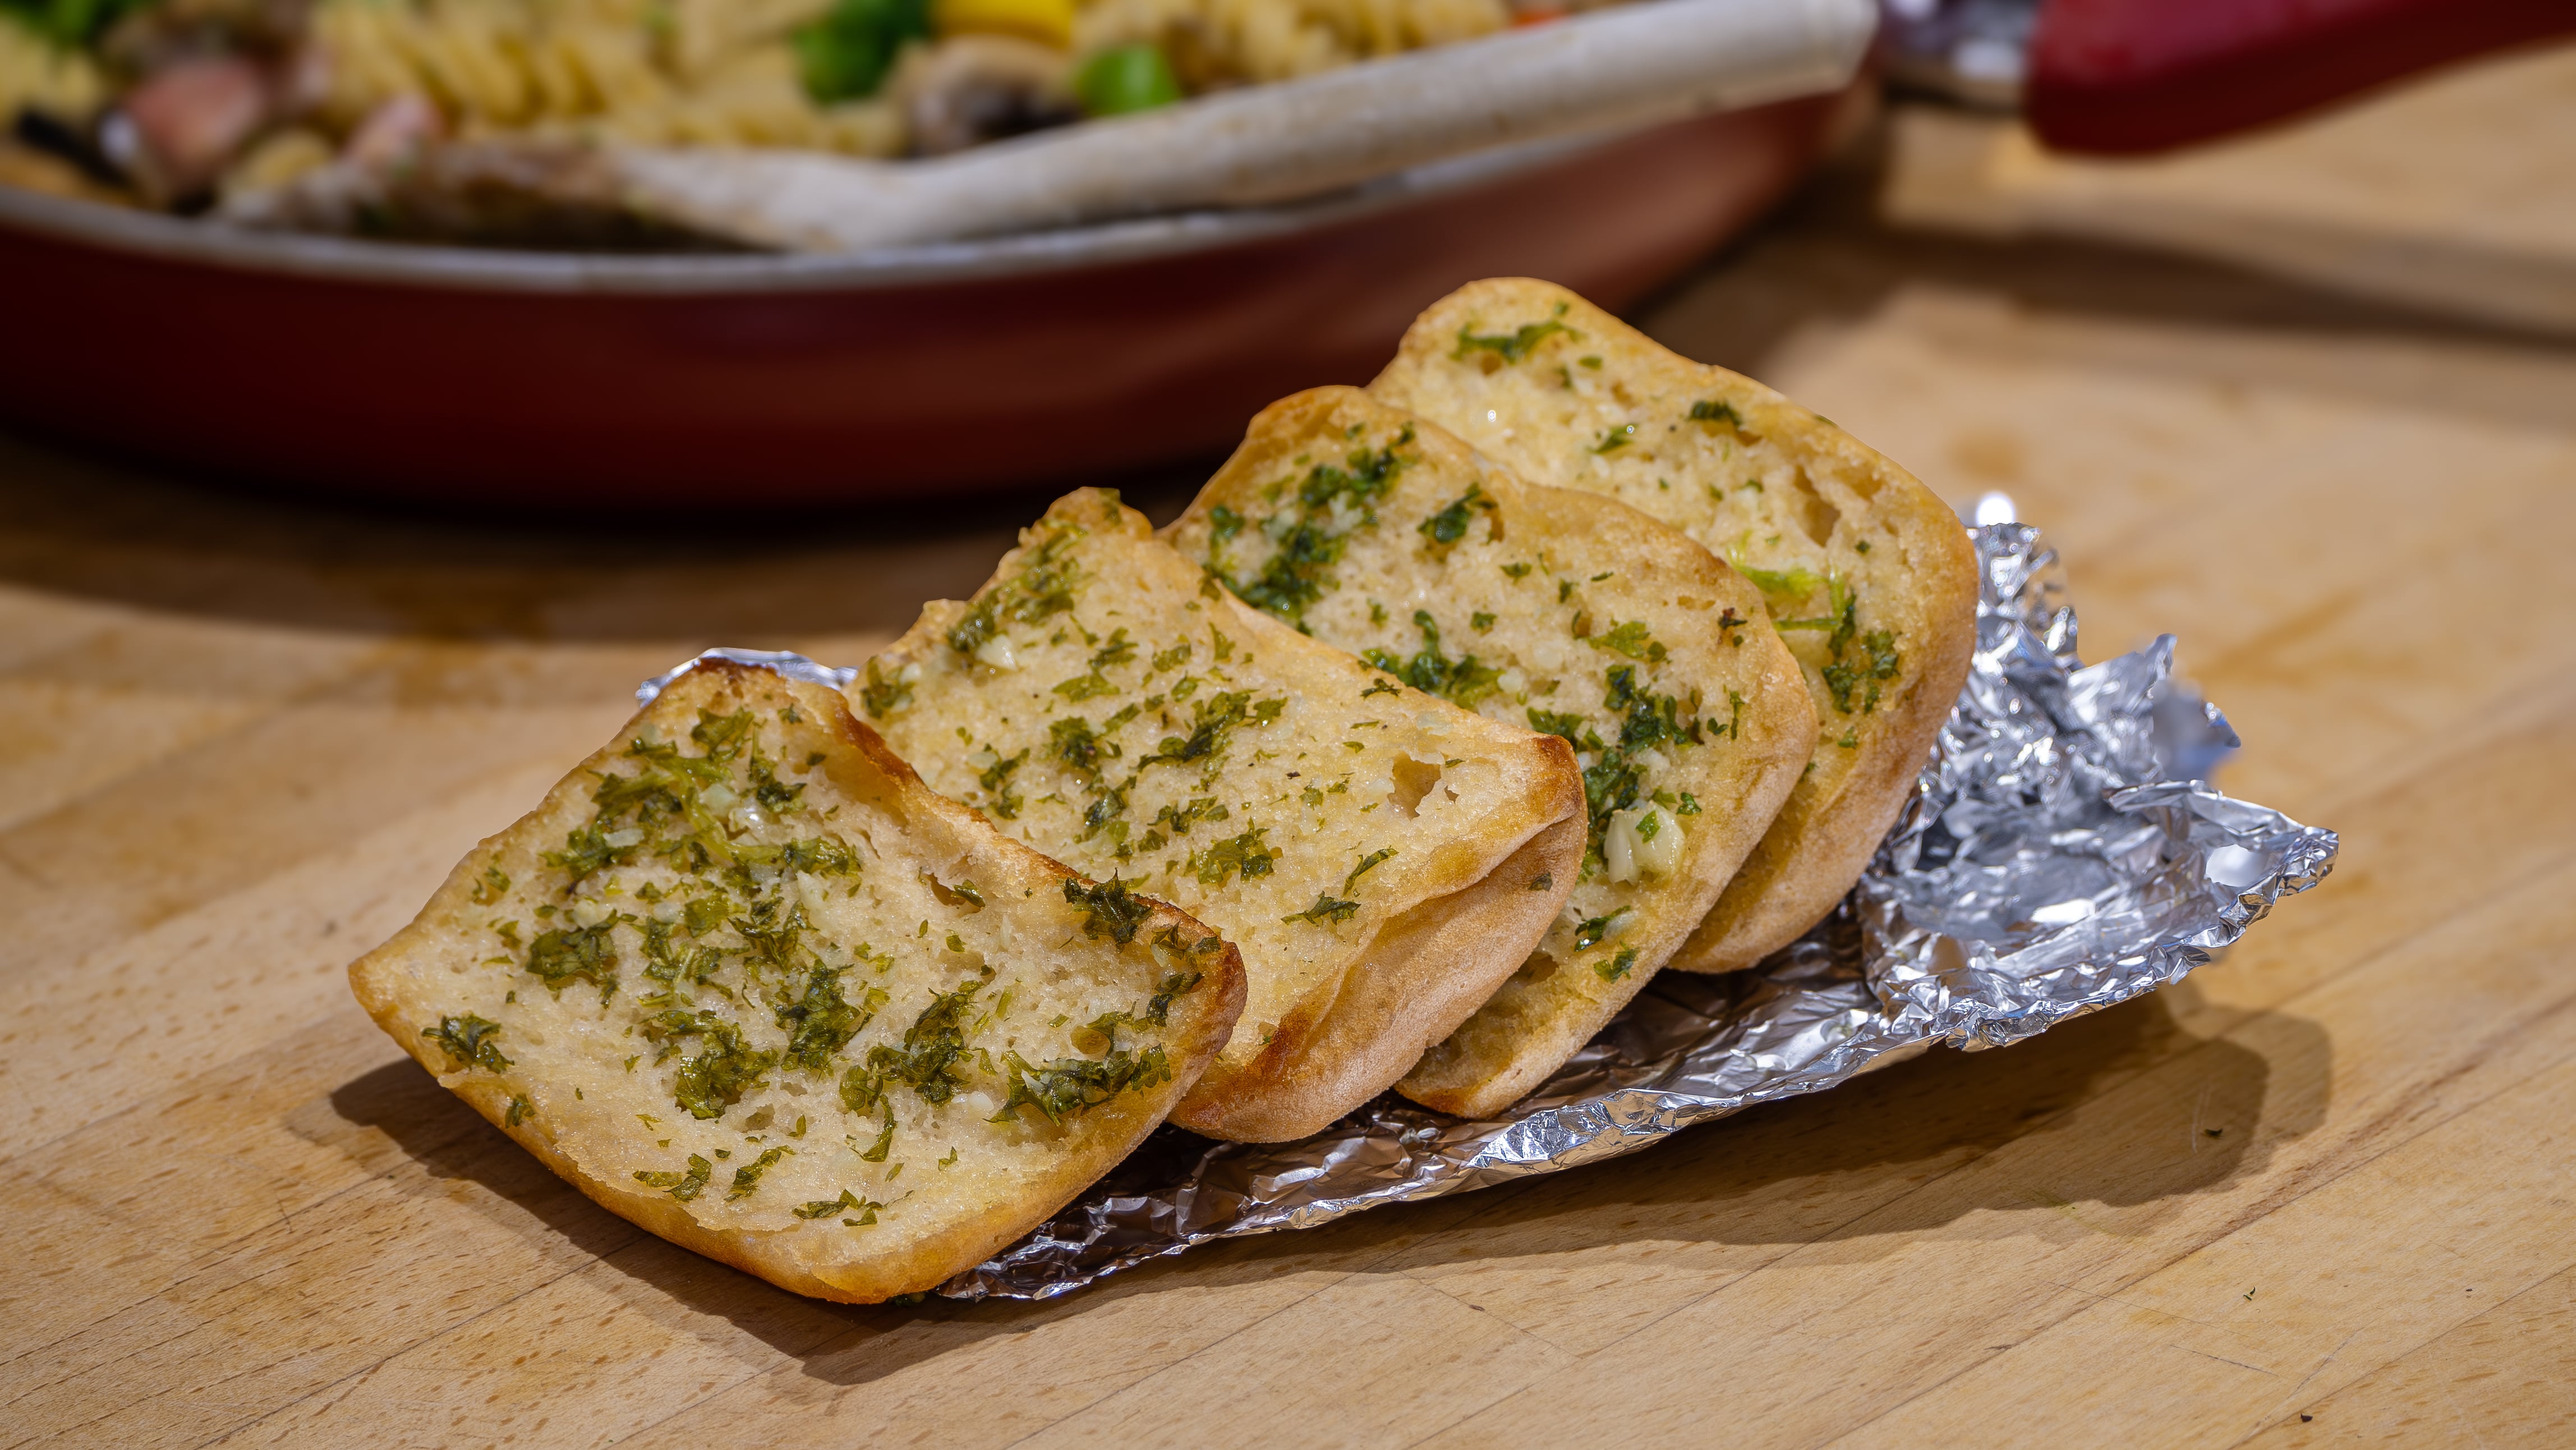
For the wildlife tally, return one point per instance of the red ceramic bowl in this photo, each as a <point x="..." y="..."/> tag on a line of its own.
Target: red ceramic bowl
<point x="553" y="381"/>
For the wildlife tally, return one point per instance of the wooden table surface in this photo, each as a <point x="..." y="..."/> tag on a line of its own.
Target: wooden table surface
<point x="2322" y="1192"/>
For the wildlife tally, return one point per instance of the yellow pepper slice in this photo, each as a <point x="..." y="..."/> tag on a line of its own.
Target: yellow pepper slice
<point x="1049" y="22"/>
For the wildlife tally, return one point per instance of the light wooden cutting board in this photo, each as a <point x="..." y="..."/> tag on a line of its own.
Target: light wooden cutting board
<point x="2323" y="1192"/>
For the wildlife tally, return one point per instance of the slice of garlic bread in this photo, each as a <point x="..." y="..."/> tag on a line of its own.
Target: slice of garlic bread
<point x="744" y="980"/>
<point x="1541" y="607"/>
<point x="1869" y="577"/>
<point x="1383" y="858"/>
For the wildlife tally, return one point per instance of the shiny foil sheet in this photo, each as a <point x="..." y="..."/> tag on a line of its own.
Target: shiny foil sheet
<point x="2062" y="852"/>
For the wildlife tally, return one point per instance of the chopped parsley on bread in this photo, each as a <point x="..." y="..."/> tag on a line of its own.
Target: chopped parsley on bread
<point x="1868" y="576"/>
<point x="1383" y="858"/>
<point x="745" y="981"/>
<point x="1546" y="609"/>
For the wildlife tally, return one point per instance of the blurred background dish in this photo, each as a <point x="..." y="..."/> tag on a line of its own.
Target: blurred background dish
<point x="636" y="358"/>
<point x="560" y="380"/>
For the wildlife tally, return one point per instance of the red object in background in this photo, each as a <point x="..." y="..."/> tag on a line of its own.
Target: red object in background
<point x="553" y="382"/>
<point x="2145" y="75"/>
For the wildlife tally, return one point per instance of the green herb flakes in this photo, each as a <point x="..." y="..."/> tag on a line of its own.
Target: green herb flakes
<point x="1630" y="639"/>
<point x="1071" y="1085"/>
<point x="683" y="1186"/>
<point x="1325" y="910"/>
<point x="746" y="1179"/>
<point x="1243" y="855"/>
<point x="862" y="1211"/>
<point x="883" y="694"/>
<point x="722" y="1070"/>
<point x="876" y="1152"/>
<point x="1042" y="589"/>
<point x="469" y="1041"/>
<point x="1449" y="525"/>
<point x="1512" y="346"/>
<point x="1598" y="929"/>
<point x="1463" y="681"/>
<point x="931" y="1059"/>
<point x="1368" y="863"/>
<point x="819" y="1017"/>
<point x="1331" y="503"/>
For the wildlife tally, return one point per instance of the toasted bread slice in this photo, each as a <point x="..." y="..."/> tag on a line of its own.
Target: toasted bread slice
<point x="1383" y="858"/>
<point x="1562" y="611"/>
<point x="744" y="980"/>
<point x="1869" y="577"/>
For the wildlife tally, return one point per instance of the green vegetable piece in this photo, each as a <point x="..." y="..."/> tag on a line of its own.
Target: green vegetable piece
<point x="846" y="54"/>
<point x="1125" y="79"/>
<point x="68" y="24"/>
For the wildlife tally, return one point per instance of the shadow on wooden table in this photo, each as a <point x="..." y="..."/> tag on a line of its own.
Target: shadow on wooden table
<point x="2130" y="1113"/>
<point x="466" y="1160"/>
<point x="2105" y="1125"/>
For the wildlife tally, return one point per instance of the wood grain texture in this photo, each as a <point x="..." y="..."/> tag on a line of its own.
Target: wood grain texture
<point x="2318" y="1194"/>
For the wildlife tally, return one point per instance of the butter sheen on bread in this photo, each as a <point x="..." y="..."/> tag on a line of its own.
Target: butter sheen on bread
<point x="1868" y="576"/>
<point x="1382" y="858"/>
<point x="745" y="981"/>
<point x="1540" y="608"/>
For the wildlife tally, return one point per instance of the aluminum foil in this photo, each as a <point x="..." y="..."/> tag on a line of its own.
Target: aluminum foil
<point x="2062" y="852"/>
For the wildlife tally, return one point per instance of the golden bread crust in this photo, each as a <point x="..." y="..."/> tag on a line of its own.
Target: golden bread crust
<point x="1869" y="576"/>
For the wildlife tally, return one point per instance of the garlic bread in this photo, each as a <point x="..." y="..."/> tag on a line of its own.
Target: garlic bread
<point x="1382" y="858"/>
<point x="1869" y="577"/>
<point x="744" y="980"/>
<point x="1560" y="611"/>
